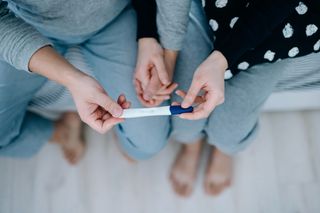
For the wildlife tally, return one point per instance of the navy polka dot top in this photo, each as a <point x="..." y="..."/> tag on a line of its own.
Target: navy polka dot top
<point x="251" y="32"/>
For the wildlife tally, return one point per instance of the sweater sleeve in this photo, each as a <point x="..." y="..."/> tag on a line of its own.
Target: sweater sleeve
<point x="172" y="21"/>
<point x="259" y="20"/>
<point x="18" y="40"/>
<point x="146" y="18"/>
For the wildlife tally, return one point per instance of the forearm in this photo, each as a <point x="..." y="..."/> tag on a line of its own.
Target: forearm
<point x="48" y="63"/>
<point x="170" y="58"/>
<point x="146" y="18"/>
<point x="172" y="22"/>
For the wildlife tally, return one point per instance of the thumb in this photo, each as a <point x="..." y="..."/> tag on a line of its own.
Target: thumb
<point x="192" y="94"/>
<point x="153" y="86"/>
<point x="109" y="105"/>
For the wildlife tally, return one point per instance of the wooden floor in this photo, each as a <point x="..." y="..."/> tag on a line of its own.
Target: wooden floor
<point x="279" y="173"/>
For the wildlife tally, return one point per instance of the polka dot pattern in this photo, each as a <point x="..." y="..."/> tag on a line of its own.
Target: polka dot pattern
<point x="203" y="3"/>
<point x="233" y="21"/>
<point x="311" y="29"/>
<point x="316" y="46"/>
<point x="243" y="65"/>
<point x="214" y="24"/>
<point x="287" y="31"/>
<point x="269" y="55"/>
<point x="293" y="52"/>
<point x="228" y="74"/>
<point x="287" y="40"/>
<point x="301" y="8"/>
<point x="221" y="3"/>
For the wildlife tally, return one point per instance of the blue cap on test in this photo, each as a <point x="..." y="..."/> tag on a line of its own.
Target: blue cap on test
<point x="176" y="110"/>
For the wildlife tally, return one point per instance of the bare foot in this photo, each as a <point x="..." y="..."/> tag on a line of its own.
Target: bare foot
<point x="68" y="134"/>
<point x="219" y="172"/>
<point x="184" y="170"/>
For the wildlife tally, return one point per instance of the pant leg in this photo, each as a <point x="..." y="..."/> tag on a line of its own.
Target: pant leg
<point x="232" y="125"/>
<point x="112" y="56"/>
<point x="197" y="46"/>
<point x="21" y="133"/>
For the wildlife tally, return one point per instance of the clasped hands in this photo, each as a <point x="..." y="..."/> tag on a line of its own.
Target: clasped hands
<point x="154" y="73"/>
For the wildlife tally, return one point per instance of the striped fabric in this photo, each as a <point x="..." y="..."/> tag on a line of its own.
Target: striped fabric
<point x="53" y="99"/>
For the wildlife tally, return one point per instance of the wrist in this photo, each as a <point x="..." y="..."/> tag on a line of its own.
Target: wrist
<point x="171" y="54"/>
<point x="219" y="59"/>
<point x="72" y="78"/>
<point x="147" y="41"/>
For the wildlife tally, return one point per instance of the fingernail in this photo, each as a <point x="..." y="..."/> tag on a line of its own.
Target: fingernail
<point x="184" y="105"/>
<point x="117" y="112"/>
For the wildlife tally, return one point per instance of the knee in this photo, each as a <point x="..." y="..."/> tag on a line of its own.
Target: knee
<point x="143" y="142"/>
<point x="230" y="130"/>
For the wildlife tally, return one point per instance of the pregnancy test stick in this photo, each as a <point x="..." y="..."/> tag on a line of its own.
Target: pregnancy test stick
<point x="154" y="111"/>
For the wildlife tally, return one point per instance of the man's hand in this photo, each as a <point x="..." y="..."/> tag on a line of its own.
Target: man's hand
<point x="208" y="79"/>
<point x="157" y="91"/>
<point x="154" y="73"/>
<point x="150" y="55"/>
<point x="94" y="105"/>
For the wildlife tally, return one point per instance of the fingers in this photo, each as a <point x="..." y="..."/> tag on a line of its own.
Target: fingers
<point x="198" y="114"/>
<point x="198" y="100"/>
<point x="213" y="99"/>
<point x="209" y="102"/>
<point x="109" y="105"/>
<point x="142" y="74"/>
<point x="192" y="94"/>
<point x="167" y="90"/>
<point x="122" y="101"/>
<point x="153" y="86"/>
<point x="103" y="125"/>
<point x="161" y="97"/>
<point x="109" y="123"/>
<point x="162" y="71"/>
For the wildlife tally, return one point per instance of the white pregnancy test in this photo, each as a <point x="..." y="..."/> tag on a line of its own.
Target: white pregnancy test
<point x="154" y="111"/>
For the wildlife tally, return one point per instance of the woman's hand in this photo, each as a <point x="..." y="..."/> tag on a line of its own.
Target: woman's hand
<point x="154" y="73"/>
<point x="209" y="80"/>
<point x="94" y="105"/>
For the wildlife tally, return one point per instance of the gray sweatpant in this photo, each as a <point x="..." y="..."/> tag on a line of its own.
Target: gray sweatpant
<point x="233" y="124"/>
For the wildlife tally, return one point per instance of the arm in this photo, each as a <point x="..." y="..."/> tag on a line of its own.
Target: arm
<point x="94" y="105"/>
<point x="154" y="69"/>
<point x="26" y="49"/>
<point x="18" y="40"/>
<point x="172" y="20"/>
<point x="258" y="21"/>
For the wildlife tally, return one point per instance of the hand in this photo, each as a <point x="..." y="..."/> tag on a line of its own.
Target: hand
<point x="150" y="55"/>
<point x="151" y="76"/>
<point x="155" y="90"/>
<point x="94" y="105"/>
<point x="209" y="79"/>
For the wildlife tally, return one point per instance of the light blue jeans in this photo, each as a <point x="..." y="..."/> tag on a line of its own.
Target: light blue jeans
<point x="111" y="53"/>
<point x="232" y="125"/>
